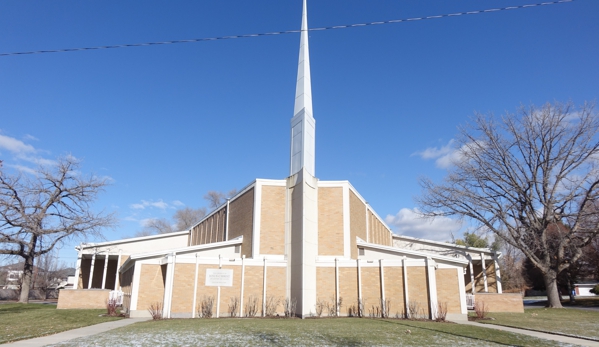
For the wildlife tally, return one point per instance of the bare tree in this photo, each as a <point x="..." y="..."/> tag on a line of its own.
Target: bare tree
<point x="41" y="211"/>
<point x="216" y="198"/>
<point x="531" y="179"/>
<point x="186" y="217"/>
<point x="156" y="226"/>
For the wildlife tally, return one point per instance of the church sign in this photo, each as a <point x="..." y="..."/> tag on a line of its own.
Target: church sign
<point x="219" y="278"/>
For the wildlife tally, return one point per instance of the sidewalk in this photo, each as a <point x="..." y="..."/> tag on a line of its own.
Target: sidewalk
<point x="546" y="336"/>
<point x="75" y="333"/>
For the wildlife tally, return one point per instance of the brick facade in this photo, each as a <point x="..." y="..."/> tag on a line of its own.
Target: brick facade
<point x="272" y="220"/>
<point x="241" y="219"/>
<point x="82" y="298"/>
<point x="330" y="221"/>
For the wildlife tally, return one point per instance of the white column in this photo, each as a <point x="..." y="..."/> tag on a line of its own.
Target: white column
<point x="432" y="287"/>
<point x="337" y="286"/>
<point x="78" y="271"/>
<point x="195" y="290"/>
<point x="117" y="282"/>
<point x="242" y="284"/>
<point x="472" y="283"/>
<point x="264" y="290"/>
<point x="382" y="274"/>
<point x="406" y="297"/>
<point x="91" y="272"/>
<point x="497" y="274"/>
<point x="484" y="265"/>
<point x="105" y="270"/>
<point x="220" y="266"/>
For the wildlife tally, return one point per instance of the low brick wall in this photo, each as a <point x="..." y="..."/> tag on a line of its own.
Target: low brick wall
<point x="83" y="298"/>
<point x="505" y="302"/>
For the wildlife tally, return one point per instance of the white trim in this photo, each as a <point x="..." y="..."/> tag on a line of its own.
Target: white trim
<point x="446" y="245"/>
<point x="242" y="285"/>
<point x="405" y="286"/>
<point x="497" y="276"/>
<point x="135" y="286"/>
<point x="361" y="243"/>
<point x="382" y="276"/>
<point x="264" y="290"/>
<point x="91" y="272"/>
<point x="117" y="280"/>
<point x="337" y="286"/>
<point x="195" y="289"/>
<point x="359" y="284"/>
<point x="473" y="283"/>
<point x="484" y="265"/>
<point x="134" y="239"/>
<point x="432" y="287"/>
<point x="462" y="289"/>
<point x="78" y="270"/>
<point x="105" y="271"/>
<point x="220" y="266"/>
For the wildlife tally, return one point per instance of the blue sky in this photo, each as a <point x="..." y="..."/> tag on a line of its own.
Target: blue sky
<point x="168" y="123"/>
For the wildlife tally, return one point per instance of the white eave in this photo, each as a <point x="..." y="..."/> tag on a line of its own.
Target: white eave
<point x="139" y="256"/>
<point x="447" y="245"/>
<point x="362" y="243"/>
<point x="133" y="239"/>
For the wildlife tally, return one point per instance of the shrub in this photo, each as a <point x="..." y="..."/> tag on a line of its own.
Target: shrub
<point x="251" y="308"/>
<point x="233" y="306"/>
<point x="481" y="309"/>
<point x="206" y="305"/>
<point x="595" y="290"/>
<point x="271" y="305"/>
<point x="155" y="310"/>
<point x="413" y="309"/>
<point x="111" y="307"/>
<point x="441" y="312"/>
<point x="320" y="305"/>
<point x="289" y="307"/>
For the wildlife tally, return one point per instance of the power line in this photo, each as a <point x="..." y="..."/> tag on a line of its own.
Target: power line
<point x="289" y="31"/>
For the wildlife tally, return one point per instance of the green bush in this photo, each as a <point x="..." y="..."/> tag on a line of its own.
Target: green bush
<point x="595" y="290"/>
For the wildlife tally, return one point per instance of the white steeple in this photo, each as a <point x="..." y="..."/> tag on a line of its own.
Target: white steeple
<point x="303" y="125"/>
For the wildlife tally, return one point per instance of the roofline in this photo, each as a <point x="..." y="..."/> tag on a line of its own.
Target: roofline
<point x="414" y="253"/>
<point x="447" y="245"/>
<point x="139" y="256"/>
<point x="132" y="239"/>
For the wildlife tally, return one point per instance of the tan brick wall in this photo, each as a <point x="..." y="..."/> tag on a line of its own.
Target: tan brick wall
<point x="82" y="298"/>
<point x="183" y="288"/>
<point x="151" y="285"/>
<point x="272" y="221"/>
<point x="371" y="287"/>
<point x="357" y="222"/>
<point x="254" y="276"/>
<point x="448" y="290"/>
<point x="276" y="285"/>
<point x="226" y="293"/>
<point x="203" y="291"/>
<point x="505" y="302"/>
<point x="325" y="284"/>
<point x="330" y="221"/>
<point x="394" y="289"/>
<point x="348" y="287"/>
<point x="241" y="219"/>
<point x="417" y="287"/>
<point x="377" y="232"/>
<point x="212" y="229"/>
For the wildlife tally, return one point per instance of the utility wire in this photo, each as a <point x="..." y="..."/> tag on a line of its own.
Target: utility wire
<point x="289" y="31"/>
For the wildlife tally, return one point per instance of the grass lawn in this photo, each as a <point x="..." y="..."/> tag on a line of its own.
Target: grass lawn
<point x="563" y="321"/>
<point x="583" y="301"/>
<point x="308" y="332"/>
<point x="25" y="321"/>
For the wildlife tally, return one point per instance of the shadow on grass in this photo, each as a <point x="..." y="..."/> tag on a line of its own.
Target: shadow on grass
<point x="447" y="331"/>
<point x="20" y="308"/>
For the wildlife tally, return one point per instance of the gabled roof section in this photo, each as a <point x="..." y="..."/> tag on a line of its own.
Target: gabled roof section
<point x="459" y="261"/>
<point x="131" y="240"/>
<point x="445" y="245"/>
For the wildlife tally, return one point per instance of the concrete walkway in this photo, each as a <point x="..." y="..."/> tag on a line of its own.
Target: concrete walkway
<point x="75" y="333"/>
<point x="546" y="336"/>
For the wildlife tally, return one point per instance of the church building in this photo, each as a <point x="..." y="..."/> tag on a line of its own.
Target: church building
<point x="294" y="245"/>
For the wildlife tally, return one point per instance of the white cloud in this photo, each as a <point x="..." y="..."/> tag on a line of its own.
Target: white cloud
<point x="434" y="152"/>
<point x="145" y="203"/>
<point x="409" y="222"/>
<point x="448" y="155"/>
<point x="30" y="137"/>
<point x="23" y="169"/>
<point x="178" y="203"/>
<point x="15" y="146"/>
